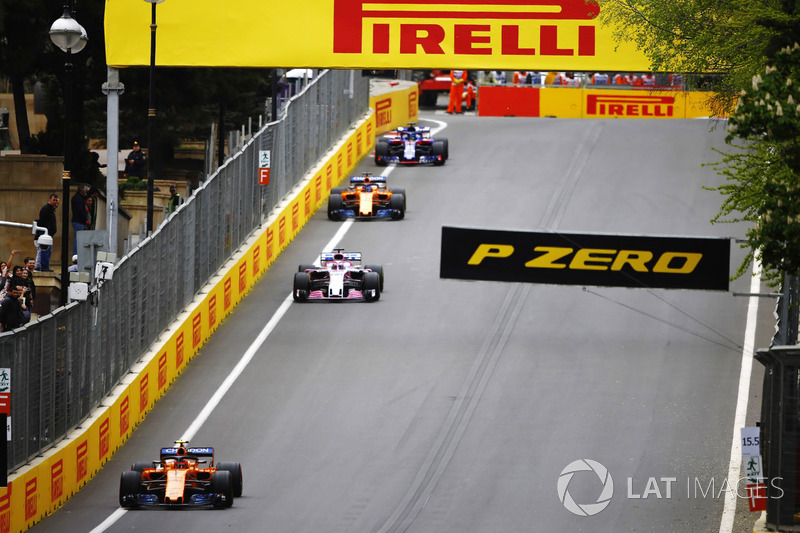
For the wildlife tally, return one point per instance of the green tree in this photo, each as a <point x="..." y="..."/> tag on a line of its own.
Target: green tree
<point x="737" y="39"/>
<point x="763" y="176"/>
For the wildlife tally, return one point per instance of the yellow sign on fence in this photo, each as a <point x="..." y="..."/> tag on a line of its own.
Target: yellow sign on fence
<point x="472" y="34"/>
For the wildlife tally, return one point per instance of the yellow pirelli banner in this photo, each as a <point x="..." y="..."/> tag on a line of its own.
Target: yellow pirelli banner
<point x="472" y="34"/>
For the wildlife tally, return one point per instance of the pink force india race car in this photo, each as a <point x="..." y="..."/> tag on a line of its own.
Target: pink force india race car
<point x="182" y="477"/>
<point x="340" y="276"/>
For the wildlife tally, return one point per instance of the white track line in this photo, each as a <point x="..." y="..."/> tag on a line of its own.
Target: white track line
<point x="739" y="421"/>
<point x="249" y="354"/>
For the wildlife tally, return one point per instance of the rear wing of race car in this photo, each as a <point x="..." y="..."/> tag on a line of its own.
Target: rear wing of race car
<point x="340" y="256"/>
<point x="194" y="451"/>
<point x="378" y="180"/>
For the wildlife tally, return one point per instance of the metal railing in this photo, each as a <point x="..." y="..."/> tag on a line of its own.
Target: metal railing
<point x="65" y="363"/>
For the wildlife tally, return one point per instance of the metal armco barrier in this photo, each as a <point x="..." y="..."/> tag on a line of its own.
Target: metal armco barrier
<point x="65" y="364"/>
<point x="780" y="435"/>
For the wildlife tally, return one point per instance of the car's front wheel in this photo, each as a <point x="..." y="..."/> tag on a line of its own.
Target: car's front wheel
<point x="222" y="483"/>
<point x="301" y="286"/>
<point x="129" y="485"/>
<point x="372" y="286"/>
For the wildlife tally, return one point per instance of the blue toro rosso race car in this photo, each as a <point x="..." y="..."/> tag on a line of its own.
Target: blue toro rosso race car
<point x="409" y="145"/>
<point x="367" y="197"/>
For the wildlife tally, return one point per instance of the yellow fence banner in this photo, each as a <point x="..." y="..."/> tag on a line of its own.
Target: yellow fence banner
<point x="373" y="34"/>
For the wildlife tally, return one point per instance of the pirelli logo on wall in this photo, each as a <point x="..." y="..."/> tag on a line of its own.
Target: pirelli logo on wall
<point x="586" y="259"/>
<point x="629" y="104"/>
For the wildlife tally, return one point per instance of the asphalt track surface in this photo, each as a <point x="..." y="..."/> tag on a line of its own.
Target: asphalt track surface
<point x="454" y="406"/>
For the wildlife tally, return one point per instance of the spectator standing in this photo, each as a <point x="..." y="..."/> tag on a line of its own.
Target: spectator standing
<point x="80" y="219"/>
<point x="469" y="94"/>
<point x="74" y="266"/>
<point x="620" y="79"/>
<point x="5" y="275"/>
<point x="570" y="80"/>
<point x="633" y="80"/>
<point x="175" y="200"/>
<point x="47" y="219"/>
<point x="457" y="79"/>
<point x="648" y="79"/>
<point x="20" y="279"/>
<point x="600" y="78"/>
<point x="11" y="312"/>
<point x="553" y="78"/>
<point x="89" y="212"/>
<point x="30" y="266"/>
<point x="134" y="163"/>
<point x="676" y="80"/>
<point x="96" y="164"/>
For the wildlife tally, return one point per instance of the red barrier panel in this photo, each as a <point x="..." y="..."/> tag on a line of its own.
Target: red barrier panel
<point x="504" y="101"/>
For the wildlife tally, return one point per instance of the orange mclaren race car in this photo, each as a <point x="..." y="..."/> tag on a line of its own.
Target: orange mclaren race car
<point x="182" y="477"/>
<point x="367" y="197"/>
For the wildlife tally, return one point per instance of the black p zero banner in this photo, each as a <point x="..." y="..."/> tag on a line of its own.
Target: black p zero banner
<point x="586" y="259"/>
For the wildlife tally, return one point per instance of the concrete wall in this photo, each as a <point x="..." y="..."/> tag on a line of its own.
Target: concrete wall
<point x="36" y="123"/>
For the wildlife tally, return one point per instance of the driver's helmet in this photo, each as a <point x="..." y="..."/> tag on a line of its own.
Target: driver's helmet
<point x="366" y="188"/>
<point x="169" y="463"/>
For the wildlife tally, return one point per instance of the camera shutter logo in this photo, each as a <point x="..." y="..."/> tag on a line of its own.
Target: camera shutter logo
<point x="586" y="509"/>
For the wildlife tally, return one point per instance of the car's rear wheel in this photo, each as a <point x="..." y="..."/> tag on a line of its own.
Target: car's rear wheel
<point x="301" y="287"/>
<point x="334" y="204"/>
<point x="372" y="286"/>
<point x="303" y="268"/>
<point x="139" y="466"/>
<point x="379" y="270"/>
<point x="129" y="485"/>
<point x="446" y="149"/>
<point x="222" y="483"/>
<point x="236" y="476"/>
<point x="398" y="204"/>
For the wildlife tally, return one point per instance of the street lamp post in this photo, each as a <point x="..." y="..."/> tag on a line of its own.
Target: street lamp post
<point x="151" y="117"/>
<point x="70" y="37"/>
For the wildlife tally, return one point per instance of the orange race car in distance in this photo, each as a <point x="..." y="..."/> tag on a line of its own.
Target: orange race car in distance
<point x="367" y="197"/>
<point x="182" y="477"/>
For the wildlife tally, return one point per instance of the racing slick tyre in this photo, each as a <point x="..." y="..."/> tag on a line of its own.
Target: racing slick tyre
<point x="301" y="288"/>
<point x="334" y="204"/>
<point x="128" y="488"/>
<point x="372" y="286"/>
<point x="222" y="483"/>
<point x="438" y="150"/>
<point x="139" y="466"/>
<point x="236" y="476"/>
<point x="337" y="190"/>
<point x="381" y="152"/>
<point x="446" y="149"/>
<point x="303" y="268"/>
<point x="398" y="204"/>
<point x="379" y="270"/>
<point x="399" y="191"/>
